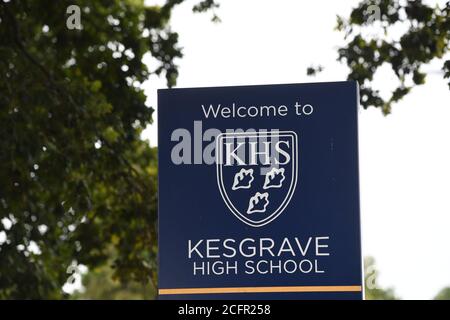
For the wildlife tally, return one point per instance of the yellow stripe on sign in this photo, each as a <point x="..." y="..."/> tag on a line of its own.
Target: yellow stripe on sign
<point x="261" y="289"/>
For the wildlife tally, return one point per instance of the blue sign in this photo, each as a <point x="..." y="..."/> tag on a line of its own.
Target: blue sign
<point x="259" y="192"/>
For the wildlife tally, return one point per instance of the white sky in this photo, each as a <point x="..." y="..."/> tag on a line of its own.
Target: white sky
<point x="404" y="158"/>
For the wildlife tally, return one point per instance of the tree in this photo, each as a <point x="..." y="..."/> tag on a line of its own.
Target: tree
<point x="426" y="37"/>
<point x="372" y="288"/>
<point x="444" y="294"/>
<point x="100" y="283"/>
<point x="76" y="177"/>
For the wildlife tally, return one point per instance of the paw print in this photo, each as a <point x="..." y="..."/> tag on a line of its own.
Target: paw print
<point x="274" y="178"/>
<point x="258" y="203"/>
<point x="243" y="179"/>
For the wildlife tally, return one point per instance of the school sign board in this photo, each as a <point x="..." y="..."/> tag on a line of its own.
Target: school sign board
<point x="259" y="192"/>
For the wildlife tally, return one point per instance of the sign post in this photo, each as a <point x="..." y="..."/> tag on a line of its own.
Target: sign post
<point x="259" y="192"/>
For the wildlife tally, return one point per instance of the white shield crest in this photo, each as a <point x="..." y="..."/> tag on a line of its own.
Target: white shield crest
<point x="257" y="173"/>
